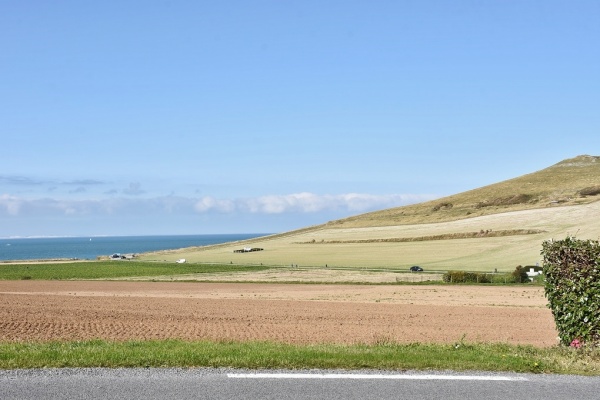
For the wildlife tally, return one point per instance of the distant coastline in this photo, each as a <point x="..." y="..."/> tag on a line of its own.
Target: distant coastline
<point x="91" y="247"/>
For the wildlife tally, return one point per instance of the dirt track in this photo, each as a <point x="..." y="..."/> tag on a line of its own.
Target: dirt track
<point x="60" y="310"/>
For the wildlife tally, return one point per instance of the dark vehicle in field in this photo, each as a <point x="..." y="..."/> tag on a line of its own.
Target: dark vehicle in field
<point x="416" y="268"/>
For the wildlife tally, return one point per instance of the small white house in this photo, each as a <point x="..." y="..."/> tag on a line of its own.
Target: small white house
<point x="532" y="273"/>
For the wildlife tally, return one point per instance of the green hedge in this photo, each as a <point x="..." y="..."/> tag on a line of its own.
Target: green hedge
<point x="572" y="271"/>
<point x="466" y="277"/>
<point x="519" y="275"/>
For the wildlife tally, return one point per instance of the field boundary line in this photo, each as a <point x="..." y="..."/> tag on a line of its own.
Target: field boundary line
<point x="372" y="376"/>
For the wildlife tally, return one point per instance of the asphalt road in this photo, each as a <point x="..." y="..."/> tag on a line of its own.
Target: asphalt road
<point x="201" y="383"/>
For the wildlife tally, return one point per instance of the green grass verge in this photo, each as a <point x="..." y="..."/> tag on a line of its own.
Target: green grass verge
<point x="111" y="269"/>
<point x="261" y="355"/>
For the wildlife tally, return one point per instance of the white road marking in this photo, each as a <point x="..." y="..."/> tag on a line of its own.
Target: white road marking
<point x="373" y="376"/>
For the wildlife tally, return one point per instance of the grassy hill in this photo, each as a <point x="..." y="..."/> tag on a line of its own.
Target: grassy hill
<point x="570" y="182"/>
<point x="498" y="227"/>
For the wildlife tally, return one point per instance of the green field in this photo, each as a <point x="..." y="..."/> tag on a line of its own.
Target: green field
<point x="111" y="270"/>
<point x="160" y="271"/>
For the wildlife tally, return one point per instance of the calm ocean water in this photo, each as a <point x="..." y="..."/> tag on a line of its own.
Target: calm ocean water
<point x="89" y="248"/>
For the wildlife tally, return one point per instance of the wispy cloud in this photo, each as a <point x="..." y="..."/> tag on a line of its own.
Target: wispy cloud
<point x="30" y="181"/>
<point x="134" y="189"/>
<point x="84" y="182"/>
<point x="21" y="180"/>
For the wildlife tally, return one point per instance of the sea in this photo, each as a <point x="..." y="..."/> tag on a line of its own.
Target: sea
<point x="89" y="248"/>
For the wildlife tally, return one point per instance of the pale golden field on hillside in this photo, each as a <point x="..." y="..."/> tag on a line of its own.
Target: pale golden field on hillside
<point x="312" y="247"/>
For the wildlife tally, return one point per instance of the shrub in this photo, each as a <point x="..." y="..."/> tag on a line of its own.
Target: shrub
<point x="539" y="280"/>
<point x="506" y="201"/>
<point x="503" y="278"/>
<point x="590" y="191"/>
<point x="520" y="274"/>
<point x="572" y="270"/>
<point x="444" y="205"/>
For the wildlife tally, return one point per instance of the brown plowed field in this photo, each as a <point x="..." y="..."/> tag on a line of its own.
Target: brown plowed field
<point x="75" y="310"/>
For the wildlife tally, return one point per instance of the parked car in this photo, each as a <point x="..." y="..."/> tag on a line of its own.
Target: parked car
<point x="416" y="268"/>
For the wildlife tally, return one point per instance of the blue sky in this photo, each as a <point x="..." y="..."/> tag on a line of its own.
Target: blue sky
<point x="182" y="117"/>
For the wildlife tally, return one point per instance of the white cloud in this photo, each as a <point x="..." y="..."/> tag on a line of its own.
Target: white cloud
<point x="209" y="203"/>
<point x="309" y="203"/>
<point x="274" y="204"/>
<point x="303" y="203"/>
<point x="363" y="202"/>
